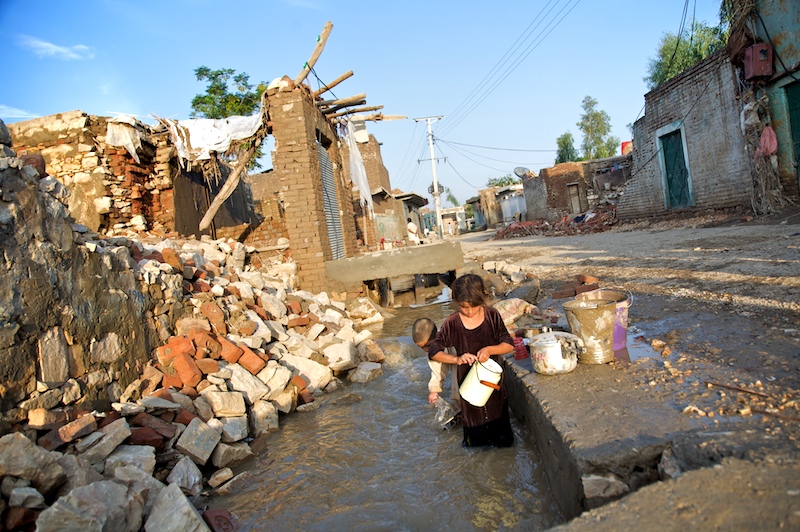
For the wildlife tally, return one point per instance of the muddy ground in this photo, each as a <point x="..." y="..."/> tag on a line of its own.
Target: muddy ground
<point x="716" y="299"/>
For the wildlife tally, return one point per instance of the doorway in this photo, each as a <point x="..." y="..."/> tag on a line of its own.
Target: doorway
<point x="674" y="168"/>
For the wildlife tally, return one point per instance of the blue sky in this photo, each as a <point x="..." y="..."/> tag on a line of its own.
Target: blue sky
<point x="507" y="75"/>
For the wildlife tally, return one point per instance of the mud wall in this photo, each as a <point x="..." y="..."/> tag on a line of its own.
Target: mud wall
<point x="73" y="319"/>
<point x="560" y="465"/>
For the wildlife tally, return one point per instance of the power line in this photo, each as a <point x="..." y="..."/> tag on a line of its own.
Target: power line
<point x="490" y="148"/>
<point x="449" y="126"/>
<point x="503" y="60"/>
<point x="516" y="163"/>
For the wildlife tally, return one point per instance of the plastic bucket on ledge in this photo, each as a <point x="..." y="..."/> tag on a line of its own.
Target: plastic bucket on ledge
<point x="480" y="382"/>
<point x="623" y="301"/>
<point x="593" y="322"/>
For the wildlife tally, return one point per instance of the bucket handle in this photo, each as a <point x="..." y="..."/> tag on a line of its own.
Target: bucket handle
<point x="490" y="384"/>
<point x="622" y="289"/>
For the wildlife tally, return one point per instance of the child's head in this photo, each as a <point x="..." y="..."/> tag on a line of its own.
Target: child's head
<point x="423" y="332"/>
<point x="469" y="289"/>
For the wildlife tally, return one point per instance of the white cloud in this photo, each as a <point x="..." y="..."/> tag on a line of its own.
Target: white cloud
<point x="47" y="49"/>
<point x="105" y="89"/>
<point x="7" y="112"/>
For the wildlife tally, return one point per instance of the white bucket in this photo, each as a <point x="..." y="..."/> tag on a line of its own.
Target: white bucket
<point x="480" y="382"/>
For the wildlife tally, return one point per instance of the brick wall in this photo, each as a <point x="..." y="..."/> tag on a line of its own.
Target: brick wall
<point x="705" y="99"/>
<point x="557" y="178"/>
<point x="296" y="126"/>
<point x="108" y="188"/>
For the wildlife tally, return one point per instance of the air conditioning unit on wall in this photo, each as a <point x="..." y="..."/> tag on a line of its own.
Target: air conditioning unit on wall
<point x="758" y="61"/>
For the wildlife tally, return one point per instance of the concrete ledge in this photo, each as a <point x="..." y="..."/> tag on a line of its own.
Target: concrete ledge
<point x="428" y="258"/>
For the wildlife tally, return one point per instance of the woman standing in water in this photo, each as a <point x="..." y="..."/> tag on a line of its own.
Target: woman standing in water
<point x="478" y="333"/>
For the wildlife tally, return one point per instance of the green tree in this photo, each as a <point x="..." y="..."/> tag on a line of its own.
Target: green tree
<point x="566" y="149"/>
<point x="676" y="52"/>
<point x="596" y="127"/>
<point x="222" y="100"/>
<point x="448" y="194"/>
<point x="504" y="181"/>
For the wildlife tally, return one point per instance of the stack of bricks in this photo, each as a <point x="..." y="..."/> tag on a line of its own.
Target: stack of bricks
<point x="582" y="283"/>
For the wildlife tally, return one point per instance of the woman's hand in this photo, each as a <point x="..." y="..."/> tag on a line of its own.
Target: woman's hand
<point x="483" y="354"/>
<point x="432" y="397"/>
<point x="466" y="358"/>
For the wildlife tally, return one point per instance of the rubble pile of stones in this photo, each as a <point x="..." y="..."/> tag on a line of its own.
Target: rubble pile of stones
<point x="240" y="346"/>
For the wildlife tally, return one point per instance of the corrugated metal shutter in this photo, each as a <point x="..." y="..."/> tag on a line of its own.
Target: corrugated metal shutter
<point x="330" y="204"/>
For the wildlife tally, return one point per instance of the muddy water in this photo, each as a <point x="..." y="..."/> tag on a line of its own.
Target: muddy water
<point x="382" y="463"/>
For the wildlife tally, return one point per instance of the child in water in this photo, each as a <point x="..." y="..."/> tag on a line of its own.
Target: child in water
<point x="478" y="333"/>
<point x="423" y="332"/>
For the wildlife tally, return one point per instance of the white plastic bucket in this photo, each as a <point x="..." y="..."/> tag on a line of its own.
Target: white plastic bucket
<point x="481" y="380"/>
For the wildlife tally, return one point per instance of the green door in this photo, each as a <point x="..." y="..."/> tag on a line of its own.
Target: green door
<point x="793" y="97"/>
<point x="677" y="181"/>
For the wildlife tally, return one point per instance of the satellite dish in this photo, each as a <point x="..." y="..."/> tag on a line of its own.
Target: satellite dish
<point x="521" y="172"/>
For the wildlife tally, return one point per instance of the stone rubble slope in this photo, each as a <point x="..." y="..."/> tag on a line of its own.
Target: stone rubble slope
<point x="138" y="373"/>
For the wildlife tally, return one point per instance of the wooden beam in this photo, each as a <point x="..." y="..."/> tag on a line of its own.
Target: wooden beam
<point x="321" y="40"/>
<point x="333" y="83"/>
<point x="233" y="178"/>
<point x="327" y="112"/>
<point x="384" y="118"/>
<point x="340" y="101"/>
<point x="356" y="110"/>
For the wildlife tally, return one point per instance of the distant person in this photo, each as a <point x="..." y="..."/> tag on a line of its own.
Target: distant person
<point x="478" y="333"/>
<point x="413" y="232"/>
<point x="423" y="332"/>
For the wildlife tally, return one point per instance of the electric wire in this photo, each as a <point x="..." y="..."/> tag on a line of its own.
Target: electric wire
<point x="477" y="162"/>
<point x="516" y="163"/>
<point x="450" y="125"/>
<point x="503" y="60"/>
<point x="491" y="148"/>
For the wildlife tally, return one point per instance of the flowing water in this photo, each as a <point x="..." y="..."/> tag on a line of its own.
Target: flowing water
<point x="372" y="457"/>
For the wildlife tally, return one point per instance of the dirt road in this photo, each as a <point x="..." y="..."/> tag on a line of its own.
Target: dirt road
<point x="717" y="313"/>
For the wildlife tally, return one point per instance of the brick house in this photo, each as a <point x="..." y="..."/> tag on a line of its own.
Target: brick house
<point x="704" y="140"/>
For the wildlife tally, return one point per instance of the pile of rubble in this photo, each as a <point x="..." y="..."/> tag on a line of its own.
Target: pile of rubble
<point x="237" y="347"/>
<point x="597" y="221"/>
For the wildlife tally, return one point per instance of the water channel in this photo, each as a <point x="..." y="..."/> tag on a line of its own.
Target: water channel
<point x="372" y="457"/>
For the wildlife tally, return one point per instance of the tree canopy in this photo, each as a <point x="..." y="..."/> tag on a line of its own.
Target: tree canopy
<point x="595" y="125"/>
<point x="566" y="149"/>
<point x="676" y="52"/>
<point x="504" y="181"/>
<point x="222" y="100"/>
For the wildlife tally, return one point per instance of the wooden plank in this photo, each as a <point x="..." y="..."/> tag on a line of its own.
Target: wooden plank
<point x="341" y="101"/>
<point x="321" y="40"/>
<point x="333" y="83"/>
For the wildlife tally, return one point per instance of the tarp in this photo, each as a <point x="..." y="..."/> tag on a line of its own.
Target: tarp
<point x="122" y="132"/>
<point x="196" y="138"/>
<point x="358" y="173"/>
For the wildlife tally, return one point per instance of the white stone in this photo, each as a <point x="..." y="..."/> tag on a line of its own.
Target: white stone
<point x="341" y="356"/>
<point x="285" y="401"/>
<point x="186" y="475"/>
<point x="234" y="429"/>
<point x="172" y="512"/>
<point x="198" y="441"/>
<point x="263" y="418"/>
<point x="141" y="456"/>
<point x="314" y="331"/>
<point x="318" y="375"/>
<point x="106" y="350"/>
<point x="225" y="404"/>
<point x="366" y="371"/>
<point x="53" y="357"/>
<point x="220" y="477"/>
<point x="251" y="388"/>
<point x="231" y="454"/>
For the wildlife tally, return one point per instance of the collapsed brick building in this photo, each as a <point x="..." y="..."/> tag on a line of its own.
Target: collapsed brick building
<point x="308" y="197"/>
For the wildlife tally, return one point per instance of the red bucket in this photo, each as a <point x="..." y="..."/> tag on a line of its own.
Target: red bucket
<point x="520" y="349"/>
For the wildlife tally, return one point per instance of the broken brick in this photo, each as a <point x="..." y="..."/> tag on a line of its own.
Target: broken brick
<point x="230" y="352"/>
<point x="187" y="370"/>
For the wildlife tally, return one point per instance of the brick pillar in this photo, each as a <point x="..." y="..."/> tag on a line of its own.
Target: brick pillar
<point x="296" y="125"/>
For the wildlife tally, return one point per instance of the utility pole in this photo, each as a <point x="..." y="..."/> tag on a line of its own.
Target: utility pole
<point x="436" y="200"/>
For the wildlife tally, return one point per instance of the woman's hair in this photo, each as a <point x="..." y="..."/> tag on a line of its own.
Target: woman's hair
<point x="469" y="289"/>
<point x="423" y="330"/>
